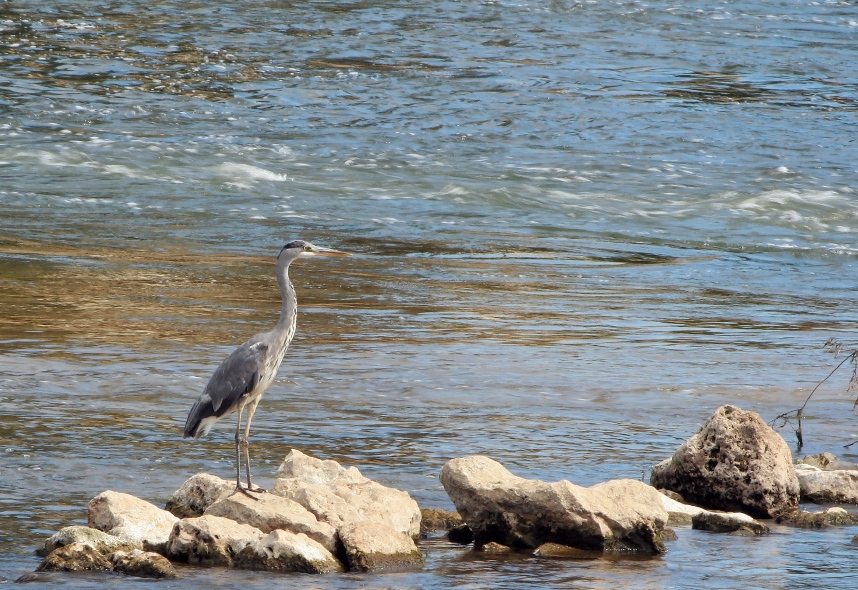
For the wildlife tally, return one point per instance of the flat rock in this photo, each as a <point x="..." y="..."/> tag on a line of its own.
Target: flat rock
<point x="283" y="551"/>
<point x="101" y="541"/>
<point x="198" y="493"/>
<point x="210" y="540"/>
<point x="339" y="496"/>
<point x="76" y="557"/>
<point x="131" y="519"/>
<point x="143" y="564"/>
<point x="615" y="516"/>
<point x="563" y="551"/>
<point x="827" y="487"/>
<point x="378" y="547"/>
<point x="679" y="512"/>
<point x="269" y="512"/>
<point x="735" y="462"/>
<point x="727" y="522"/>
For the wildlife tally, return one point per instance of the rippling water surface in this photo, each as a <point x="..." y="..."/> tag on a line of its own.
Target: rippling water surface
<point x="579" y="228"/>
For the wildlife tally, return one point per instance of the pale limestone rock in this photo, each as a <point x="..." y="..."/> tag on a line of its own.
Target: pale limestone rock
<point x="143" y="564"/>
<point x="827" y="487"/>
<point x="340" y="496"/>
<point x="269" y="512"/>
<point x="101" y="541"/>
<point x="735" y="462"/>
<point x="131" y="519"/>
<point x="283" y="551"/>
<point x="377" y="547"/>
<point x="620" y="515"/>
<point x="76" y="557"/>
<point x="198" y="493"/>
<point x="210" y="540"/>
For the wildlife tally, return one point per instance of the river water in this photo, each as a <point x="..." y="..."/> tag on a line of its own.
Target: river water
<point x="578" y="228"/>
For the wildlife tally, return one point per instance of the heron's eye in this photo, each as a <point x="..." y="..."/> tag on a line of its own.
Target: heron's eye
<point x="308" y="249"/>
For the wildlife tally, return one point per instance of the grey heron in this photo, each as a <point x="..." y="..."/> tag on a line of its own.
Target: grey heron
<point x="240" y="380"/>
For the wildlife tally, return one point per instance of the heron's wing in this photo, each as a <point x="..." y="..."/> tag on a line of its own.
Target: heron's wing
<point x="236" y="376"/>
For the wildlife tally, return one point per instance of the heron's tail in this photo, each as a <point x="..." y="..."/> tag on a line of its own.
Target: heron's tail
<point x="200" y="419"/>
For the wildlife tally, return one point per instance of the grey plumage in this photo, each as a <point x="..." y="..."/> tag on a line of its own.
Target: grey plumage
<point x="241" y="379"/>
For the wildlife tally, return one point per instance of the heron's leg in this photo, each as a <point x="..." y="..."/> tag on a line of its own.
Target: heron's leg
<point x="251" y="409"/>
<point x="237" y="449"/>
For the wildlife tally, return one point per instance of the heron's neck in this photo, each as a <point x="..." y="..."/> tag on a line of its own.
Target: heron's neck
<point x="285" y="328"/>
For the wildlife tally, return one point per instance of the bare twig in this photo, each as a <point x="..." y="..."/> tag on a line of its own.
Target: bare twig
<point x="834" y="346"/>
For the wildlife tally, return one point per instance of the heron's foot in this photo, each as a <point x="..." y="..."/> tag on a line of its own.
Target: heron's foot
<point x="246" y="491"/>
<point x="256" y="490"/>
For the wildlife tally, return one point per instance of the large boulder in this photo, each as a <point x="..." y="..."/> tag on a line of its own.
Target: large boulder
<point x="99" y="540"/>
<point x="735" y="462"/>
<point x="269" y="512"/>
<point x="131" y="519"/>
<point x="340" y="496"/>
<point x="827" y="486"/>
<point x="344" y="499"/>
<point x="198" y="493"/>
<point x="376" y="547"/>
<point x="283" y="551"/>
<point x="499" y="507"/>
<point x="210" y="540"/>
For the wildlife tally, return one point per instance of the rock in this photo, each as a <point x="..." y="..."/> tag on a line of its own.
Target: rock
<point x="268" y="512"/>
<point x="727" y="522"/>
<point x="210" y="540"/>
<point x="434" y="519"/>
<point x="621" y="515"/>
<point x="340" y="496"/>
<point x="283" y="551"/>
<point x="827" y="487"/>
<point x="462" y="534"/>
<point x="828" y="462"/>
<point x="101" y="541"/>
<point x="198" y="493"/>
<point x="735" y="462"/>
<point x="563" y="551"/>
<point x="834" y="516"/>
<point x="493" y="548"/>
<point x="131" y="519"/>
<point x="142" y="564"/>
<point x="378" y="547"/>
<point x="679" y="513"/>
<point x="76" y="557"/>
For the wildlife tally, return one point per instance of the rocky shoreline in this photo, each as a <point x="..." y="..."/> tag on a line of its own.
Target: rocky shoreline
<point x="323" y="518"/>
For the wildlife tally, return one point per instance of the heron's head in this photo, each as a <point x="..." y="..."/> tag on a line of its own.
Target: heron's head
<point x="300" y="249"/>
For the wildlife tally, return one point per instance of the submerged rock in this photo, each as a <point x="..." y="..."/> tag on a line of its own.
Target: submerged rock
<point x="131" y="519"/>
<point x="76" y="557"/>
<point x="143" y="564"/>
<point x="434" y="519"/>
<point x="620" y="515"/>
<point x="268" y="512"/>
<point x="283" y="551"/>
<point x="198" y="493"/>
<point x="735" y="462"/>
<point x="727" y="522"/>
<point x="378" y="547"/>
<point x="828" y="462"/>
<point x="834" y="516"/>
<point x="827" y="487"/>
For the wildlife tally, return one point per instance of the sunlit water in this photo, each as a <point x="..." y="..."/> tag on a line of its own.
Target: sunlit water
<point x="579" y="228"/>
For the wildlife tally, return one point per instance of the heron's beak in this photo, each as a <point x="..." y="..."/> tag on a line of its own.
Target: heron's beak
<point x="329" y="252"/>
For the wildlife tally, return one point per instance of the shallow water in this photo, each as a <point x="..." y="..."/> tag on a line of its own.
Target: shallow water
<point x="579" y="228"/>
